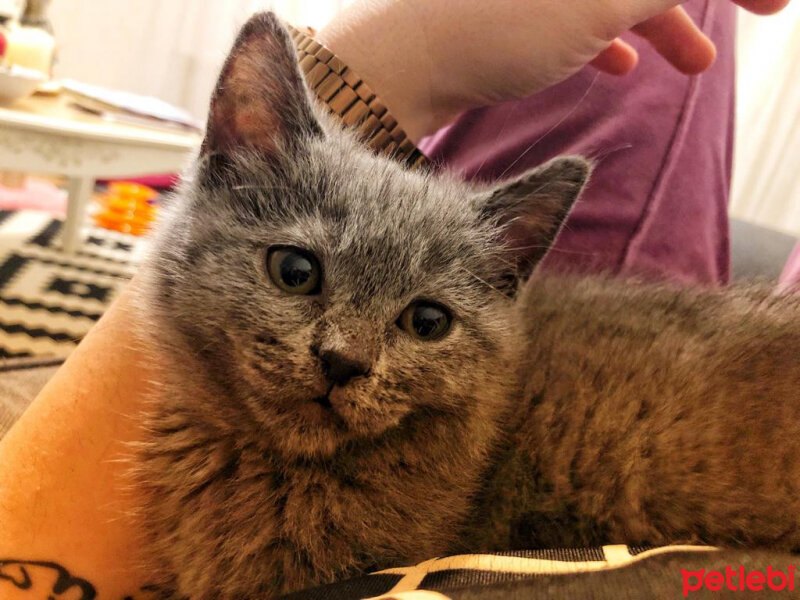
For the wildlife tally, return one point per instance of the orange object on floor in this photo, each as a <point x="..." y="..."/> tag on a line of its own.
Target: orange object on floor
<point x="127" y="207"/>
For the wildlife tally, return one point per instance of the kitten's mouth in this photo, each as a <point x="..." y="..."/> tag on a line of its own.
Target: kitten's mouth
<point x="324" y="401"/>
<point x="326" y="412"/>
<point x="329" y="410"/>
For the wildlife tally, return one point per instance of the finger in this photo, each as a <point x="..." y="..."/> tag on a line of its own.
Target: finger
<point x="619" y="58"/>
<point x="676" y="37"/>
<point x="763" y="7"/>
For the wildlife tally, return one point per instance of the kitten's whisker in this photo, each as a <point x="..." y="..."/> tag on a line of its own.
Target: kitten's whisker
<point x="532" y="247"/>
<point x="552" y="129"/>
<point x="552" y="249"/>
<point x="542" y="187"/>
<point x="262" y="187"/>
<point x="486" y="283"/>
<point x="510" y="263"/>
<point x="599" y="156"/>
<point x="575" y="252"/>
<point x="497" y="137"/>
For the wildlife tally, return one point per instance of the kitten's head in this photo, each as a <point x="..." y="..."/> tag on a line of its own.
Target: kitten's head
<point x="329" y="293"/>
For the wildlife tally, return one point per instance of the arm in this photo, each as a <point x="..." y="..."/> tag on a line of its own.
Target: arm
<point x="62" y="487"/>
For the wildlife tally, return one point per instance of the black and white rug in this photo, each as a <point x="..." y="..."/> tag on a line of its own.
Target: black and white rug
<point x="49" y="300"/>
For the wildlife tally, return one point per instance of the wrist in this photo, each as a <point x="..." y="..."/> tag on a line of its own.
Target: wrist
<point x="395" y="68"/>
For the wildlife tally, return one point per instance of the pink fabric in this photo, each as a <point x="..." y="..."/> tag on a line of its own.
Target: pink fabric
<point x="35" y="194"/>
<point x="791" y="274"/>
<point x="159" y="182"/>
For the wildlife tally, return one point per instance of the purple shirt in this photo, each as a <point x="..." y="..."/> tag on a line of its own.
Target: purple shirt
<point x="657" y="204"/>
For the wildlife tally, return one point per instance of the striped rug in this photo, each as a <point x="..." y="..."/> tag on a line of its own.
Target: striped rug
<point x="49" y="300"/>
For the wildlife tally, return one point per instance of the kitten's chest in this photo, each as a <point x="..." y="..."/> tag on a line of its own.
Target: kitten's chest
<point x="213" y="501"/>
<point x="352" y="522"/>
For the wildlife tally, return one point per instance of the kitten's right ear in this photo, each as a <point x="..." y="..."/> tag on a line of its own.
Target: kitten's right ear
<point x="530" y="211"/>
<point x="260" y="103"/>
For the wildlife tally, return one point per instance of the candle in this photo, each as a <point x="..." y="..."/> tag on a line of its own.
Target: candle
<point x="29" y="47"/>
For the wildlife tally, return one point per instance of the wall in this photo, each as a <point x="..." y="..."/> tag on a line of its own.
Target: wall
<point x="767" y="163"/>
<point x="169" y="48"/>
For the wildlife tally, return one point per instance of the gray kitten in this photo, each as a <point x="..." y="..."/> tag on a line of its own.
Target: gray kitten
<point x="353" y="381"/>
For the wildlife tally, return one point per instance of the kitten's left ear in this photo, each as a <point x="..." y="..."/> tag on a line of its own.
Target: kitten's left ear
<point x="260" y="102"/>
<point x="531" y="210"/>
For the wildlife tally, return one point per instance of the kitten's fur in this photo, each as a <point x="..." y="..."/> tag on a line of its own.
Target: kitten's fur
<point x="582" y="411"/>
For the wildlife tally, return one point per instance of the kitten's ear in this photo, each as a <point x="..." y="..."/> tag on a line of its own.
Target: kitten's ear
<point x="260" y="102"/>
<point x="531" y="210"/>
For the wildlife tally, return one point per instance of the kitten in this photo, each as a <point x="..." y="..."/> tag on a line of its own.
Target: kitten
<point x="353" y="381"/>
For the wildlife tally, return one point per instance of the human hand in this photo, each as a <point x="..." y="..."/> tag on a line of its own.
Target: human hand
<point x="430" y="61"/>
<point x="675" y="36"/>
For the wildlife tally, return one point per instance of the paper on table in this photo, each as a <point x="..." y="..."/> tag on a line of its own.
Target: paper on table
<point x="102" y="99"/>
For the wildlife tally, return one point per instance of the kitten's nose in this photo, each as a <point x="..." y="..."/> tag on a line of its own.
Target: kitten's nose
<point x="340" y="367"/>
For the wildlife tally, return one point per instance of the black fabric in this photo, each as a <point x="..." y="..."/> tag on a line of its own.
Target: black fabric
<point x="367" y="586"/>
<point x="564" y="554"/>
<point x="620" y="574"/>
<point x="655" y="578"/>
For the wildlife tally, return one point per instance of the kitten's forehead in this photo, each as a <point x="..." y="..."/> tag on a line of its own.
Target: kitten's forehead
<point x="397" y="232"/>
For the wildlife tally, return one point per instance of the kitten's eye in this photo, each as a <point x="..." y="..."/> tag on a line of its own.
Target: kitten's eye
<point x="425" y="320"/>
<point x="294" y="270"/>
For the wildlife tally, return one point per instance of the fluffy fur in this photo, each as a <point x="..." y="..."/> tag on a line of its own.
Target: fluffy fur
<point x="574" y="411"/>
<point x="649" y="415"/>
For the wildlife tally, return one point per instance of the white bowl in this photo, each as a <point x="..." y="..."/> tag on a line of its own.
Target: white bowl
<point x="17" y="82"/>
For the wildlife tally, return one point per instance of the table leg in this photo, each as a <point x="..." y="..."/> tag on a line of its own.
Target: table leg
<point x="79" y="191"/>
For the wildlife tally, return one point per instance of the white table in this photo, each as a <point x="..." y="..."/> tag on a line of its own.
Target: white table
<point x="47" y="135"/>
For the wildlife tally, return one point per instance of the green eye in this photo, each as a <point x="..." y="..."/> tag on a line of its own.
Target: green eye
<point x="425" y="320"/>
<point x="294" y="270"/>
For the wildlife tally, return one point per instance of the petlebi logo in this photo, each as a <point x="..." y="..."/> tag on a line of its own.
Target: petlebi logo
<point x="738" y="580"/>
